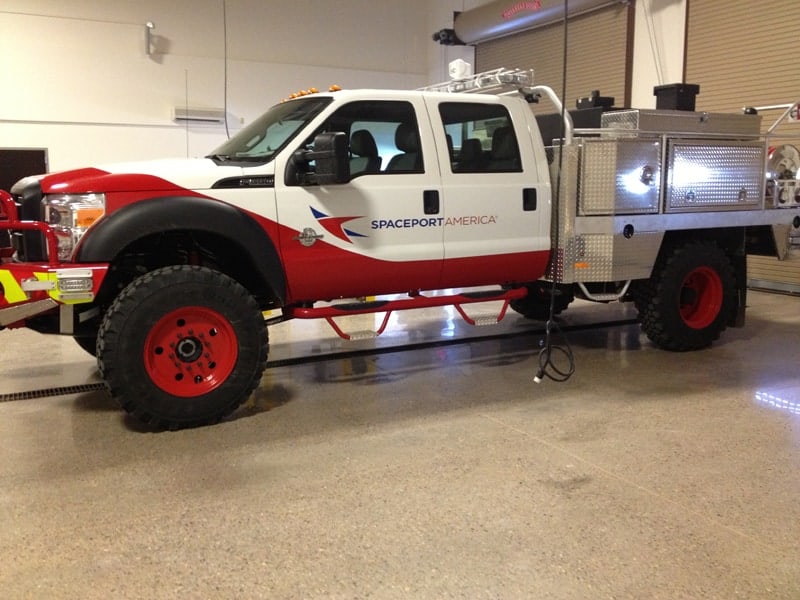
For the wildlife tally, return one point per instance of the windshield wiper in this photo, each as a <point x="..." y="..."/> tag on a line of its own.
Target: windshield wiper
<point x="240" y="158"/>
<point x="251" y="157"/>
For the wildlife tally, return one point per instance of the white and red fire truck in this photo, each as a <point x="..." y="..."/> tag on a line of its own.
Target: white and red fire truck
<point x="164" y="269"/>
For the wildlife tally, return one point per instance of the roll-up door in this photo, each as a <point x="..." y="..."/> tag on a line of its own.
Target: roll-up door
<point x="597" y="58"/>
<point x="736" y="52"/>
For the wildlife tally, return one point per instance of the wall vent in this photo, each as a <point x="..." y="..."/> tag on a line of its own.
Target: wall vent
<point x="182" y="114"/>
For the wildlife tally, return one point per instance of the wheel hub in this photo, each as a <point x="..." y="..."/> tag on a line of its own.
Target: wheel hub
<point x="190" y="351"/>
<point x="701" y="297"/>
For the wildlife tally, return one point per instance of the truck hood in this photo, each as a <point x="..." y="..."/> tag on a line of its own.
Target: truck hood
<point x="166" y="175"/>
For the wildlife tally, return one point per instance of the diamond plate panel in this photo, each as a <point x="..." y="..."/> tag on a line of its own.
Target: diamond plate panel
<point x="562" y="225"/>
<point x="620" y="177"/>
<point x="607" y="257"/>
<point x="723" y="176"/>
<point x="682" y="122"/>
<point x="594" y="257"/>
<point x="620" y="119"/>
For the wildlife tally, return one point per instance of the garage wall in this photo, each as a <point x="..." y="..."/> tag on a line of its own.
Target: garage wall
<point x="597" y="43"/>
<point x="737" y="67"/>
<point x="657" y="33"/>
<point x="76" y="78"/>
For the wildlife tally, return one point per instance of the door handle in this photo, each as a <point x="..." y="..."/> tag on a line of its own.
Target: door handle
<point x="430" y="202"/>
<point x="529" y="199"/>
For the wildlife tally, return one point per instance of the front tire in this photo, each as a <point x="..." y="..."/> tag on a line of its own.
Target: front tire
<point x="87" y="343"/>
<point x="689" y="300"/>
<point x="182" y="346"/>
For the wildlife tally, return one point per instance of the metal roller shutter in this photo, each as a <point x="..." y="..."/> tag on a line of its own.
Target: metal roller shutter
<point x="597" y="58"/>
<point x="735" y="51"/>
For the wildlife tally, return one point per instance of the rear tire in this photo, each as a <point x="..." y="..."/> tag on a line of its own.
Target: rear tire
<point x="690" y="298"/>
<point x="182" y="346"/>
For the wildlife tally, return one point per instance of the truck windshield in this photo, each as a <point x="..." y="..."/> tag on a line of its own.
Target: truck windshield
<point x="264" y="137"/>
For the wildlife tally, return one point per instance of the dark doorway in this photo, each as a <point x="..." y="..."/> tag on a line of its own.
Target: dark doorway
<point x="16" y="163"/>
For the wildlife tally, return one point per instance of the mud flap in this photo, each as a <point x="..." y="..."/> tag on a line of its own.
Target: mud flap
<point x="739" y="264"/>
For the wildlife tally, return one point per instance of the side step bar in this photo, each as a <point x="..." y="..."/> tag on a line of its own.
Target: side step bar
<point x="329" y="313"/>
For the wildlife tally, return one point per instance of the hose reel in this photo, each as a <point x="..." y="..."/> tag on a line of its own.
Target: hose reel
<point x="783" y="166"/>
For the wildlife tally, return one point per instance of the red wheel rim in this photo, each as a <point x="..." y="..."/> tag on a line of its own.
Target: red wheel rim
<point x="701" y="297"/>
<point x="190" y="351"/>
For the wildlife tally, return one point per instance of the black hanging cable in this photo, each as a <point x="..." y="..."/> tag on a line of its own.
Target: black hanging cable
<point x="225" y="68"/>
<point x="547" y="363"/>
<point x="186" y="107"/>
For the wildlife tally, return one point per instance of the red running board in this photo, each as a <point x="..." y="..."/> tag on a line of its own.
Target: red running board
<point x="329" y="313"/>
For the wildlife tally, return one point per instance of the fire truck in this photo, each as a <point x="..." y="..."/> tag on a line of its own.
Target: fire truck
<point x="371" y="201"/>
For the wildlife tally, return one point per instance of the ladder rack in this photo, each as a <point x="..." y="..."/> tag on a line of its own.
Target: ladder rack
<point x="497" y="80"/>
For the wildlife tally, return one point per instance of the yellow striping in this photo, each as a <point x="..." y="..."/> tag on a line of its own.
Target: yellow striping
<point x="50" y="277"/>
<point x="11" y="289"/>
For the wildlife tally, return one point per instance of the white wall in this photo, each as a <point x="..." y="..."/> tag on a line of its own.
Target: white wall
<point x="76" y="78"/>
<point x="658" y="48"/>
<point x="440" y="16"/>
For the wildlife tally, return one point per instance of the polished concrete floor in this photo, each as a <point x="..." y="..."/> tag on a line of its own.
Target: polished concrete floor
<point x="437" y="472"/>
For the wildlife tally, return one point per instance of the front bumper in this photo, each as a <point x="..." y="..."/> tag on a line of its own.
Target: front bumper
<point x="29" y="289"/>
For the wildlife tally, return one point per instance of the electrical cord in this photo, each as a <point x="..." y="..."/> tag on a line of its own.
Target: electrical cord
<point x="547" y="364"/>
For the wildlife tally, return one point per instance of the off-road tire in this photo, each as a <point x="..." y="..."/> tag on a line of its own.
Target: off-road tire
<point x="536" y="305"/>
<point x="182" y="346"/>
<point x="87" y="343"/>
<point x="689" y="300"/>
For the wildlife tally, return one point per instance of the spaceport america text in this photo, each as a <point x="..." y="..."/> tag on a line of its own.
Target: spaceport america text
<point x="433" y="222"/>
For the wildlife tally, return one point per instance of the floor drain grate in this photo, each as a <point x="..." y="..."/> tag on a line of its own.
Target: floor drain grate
<point x="59" y="391"/>
<point x="94" y="387"/>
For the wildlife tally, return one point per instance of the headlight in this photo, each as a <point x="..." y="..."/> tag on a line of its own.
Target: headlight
<point x="70" y="215"/>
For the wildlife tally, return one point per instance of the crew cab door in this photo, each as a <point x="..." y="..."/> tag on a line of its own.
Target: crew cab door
<point x="378" y="233"/>
<point x="496" y="191"/>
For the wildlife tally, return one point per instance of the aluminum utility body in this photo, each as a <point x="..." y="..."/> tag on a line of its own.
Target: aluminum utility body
<point x="369" y="201"/>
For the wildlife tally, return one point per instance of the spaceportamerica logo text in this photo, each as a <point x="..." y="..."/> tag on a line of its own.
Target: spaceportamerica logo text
<point x="411" y="223"/>
<point x="335" y="225"/>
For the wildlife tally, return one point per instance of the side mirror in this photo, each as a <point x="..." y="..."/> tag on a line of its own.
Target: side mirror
<point x="331" y="157"/>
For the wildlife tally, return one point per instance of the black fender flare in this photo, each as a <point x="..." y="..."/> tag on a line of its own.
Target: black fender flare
<point x="103" y="242"/>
